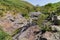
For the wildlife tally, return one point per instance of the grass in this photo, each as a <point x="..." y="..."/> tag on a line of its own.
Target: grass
<point x="4" y="35"/>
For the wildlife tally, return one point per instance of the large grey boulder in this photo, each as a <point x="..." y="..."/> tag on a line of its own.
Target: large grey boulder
<point x="34" y="15"/>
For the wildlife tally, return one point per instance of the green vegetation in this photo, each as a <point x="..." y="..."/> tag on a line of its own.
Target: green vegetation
<point x="4" y="36"/>
<point x="15" y="5"/>
<point x="48" y="11"/>
<point x="25" y="7"/>
<point x="19" y="6"/>
<point x="51" y="7"/>
<point x="46" y="27"/>
<point x="43" y="24"/>
<point x="41" y="19"/>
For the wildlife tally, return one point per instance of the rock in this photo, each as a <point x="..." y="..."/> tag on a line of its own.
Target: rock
<point x="28" y="34"/>
<point x="54" y="27"/>
<point x="51" y="36"/>
<point x="10" y="22"/>
<point x="34" y="15"/>
<point x="29" y="30"/>
<point x="34" y="33"/>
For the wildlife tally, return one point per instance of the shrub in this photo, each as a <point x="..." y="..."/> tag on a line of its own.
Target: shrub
<point x="46" y="28"/>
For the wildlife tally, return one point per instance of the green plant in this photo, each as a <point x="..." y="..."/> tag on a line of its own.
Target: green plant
<point x="46" y="28"/>
<point x="41" y="18"/>
<point x="18" y="5"/>
<point x="4" y="36"/>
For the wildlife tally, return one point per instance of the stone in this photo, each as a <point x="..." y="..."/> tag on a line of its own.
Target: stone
<point x="10" y="22"/>
<point x="51" y="36"/>
<point x="28" y="34"/>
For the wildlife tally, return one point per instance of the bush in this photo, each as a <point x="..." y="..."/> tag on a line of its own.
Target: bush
<point x="41" y="18"/>
<point x="46" y="28"/>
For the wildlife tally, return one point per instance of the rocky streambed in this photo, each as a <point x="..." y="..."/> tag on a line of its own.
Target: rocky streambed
<point x="34" y="33"/>
<point x="27" y="29"/>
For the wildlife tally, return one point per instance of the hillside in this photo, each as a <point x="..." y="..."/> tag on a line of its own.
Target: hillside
<point x="15" y="5"/>
<point x="12" y="7"/>
<point x="20" y="20"/>
<point x="51" y="7"/>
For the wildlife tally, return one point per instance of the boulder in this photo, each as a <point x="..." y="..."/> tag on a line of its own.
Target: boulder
<point x="10" y="22"/>
<point x="51" y="36"/>
<point x="28" y="34"/>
